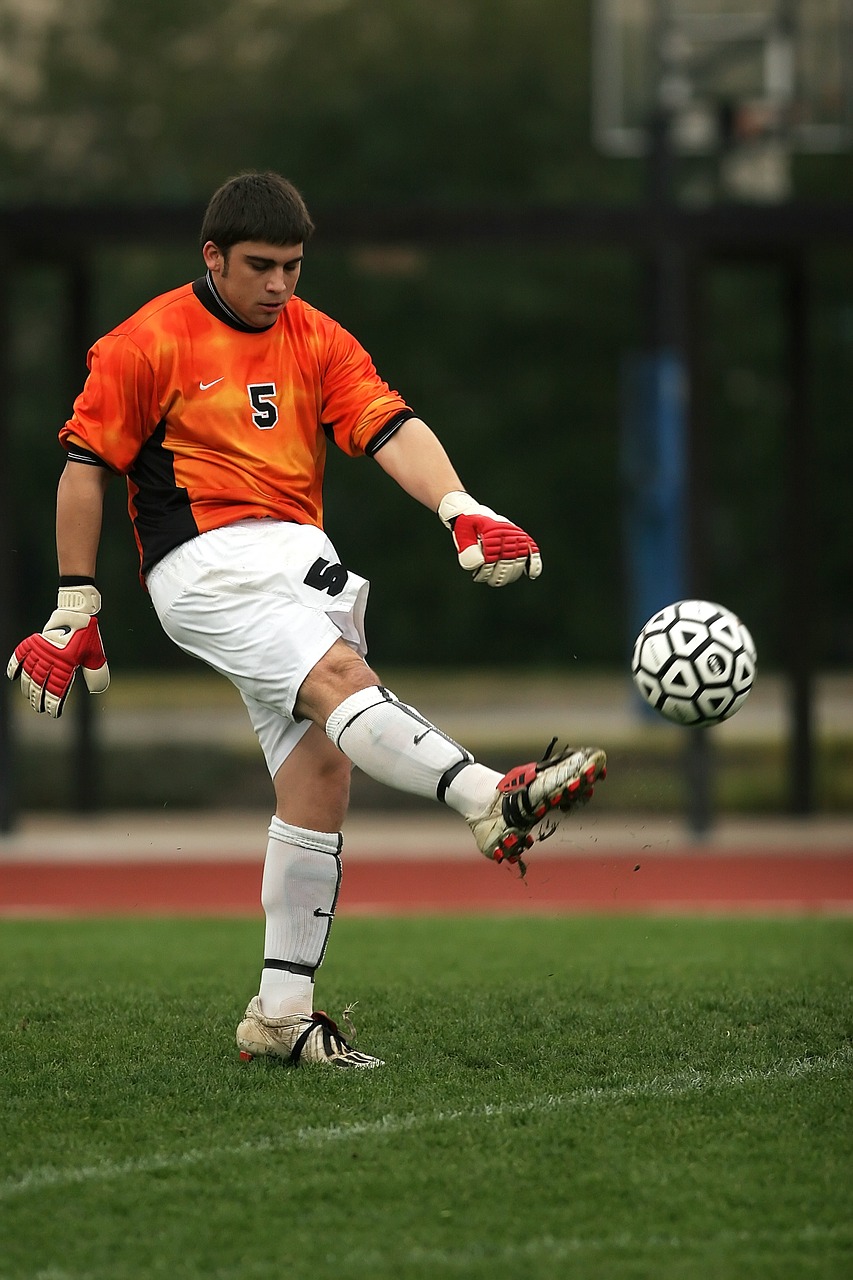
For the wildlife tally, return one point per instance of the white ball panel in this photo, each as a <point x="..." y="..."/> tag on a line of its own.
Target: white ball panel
<point x="687" y="637"/>
<point x="680" y="679"/>
<point x="680" y="710"/>
<point x="726" y="631"/>
<point x="698" y="610"/>
<point x="715" y="704"/>
<point x="655" y="653"/>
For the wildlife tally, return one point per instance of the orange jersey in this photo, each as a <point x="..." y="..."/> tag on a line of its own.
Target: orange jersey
<point x="212" y="421"/>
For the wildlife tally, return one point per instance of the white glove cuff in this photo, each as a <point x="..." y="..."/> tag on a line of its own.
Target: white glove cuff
<point x="456" y="504"/>
<point x="83" y="599"/>
<point x="462" y="504"/>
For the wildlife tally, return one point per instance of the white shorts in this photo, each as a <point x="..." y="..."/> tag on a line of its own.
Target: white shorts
<point x="261" y="601"/>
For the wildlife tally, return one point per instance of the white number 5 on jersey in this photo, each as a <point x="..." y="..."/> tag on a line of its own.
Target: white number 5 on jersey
<point x="265" y="414"/>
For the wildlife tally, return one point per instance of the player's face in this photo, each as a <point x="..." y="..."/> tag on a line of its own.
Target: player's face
<point x="255" y="280"/>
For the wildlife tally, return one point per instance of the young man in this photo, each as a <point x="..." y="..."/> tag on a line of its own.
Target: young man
<point x="215" y="402"/>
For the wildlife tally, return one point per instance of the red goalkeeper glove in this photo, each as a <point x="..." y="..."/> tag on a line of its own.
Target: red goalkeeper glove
<point x="492" y="547"/>
<point x="46" y="664"/>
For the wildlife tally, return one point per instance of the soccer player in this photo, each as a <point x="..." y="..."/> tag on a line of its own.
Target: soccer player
<point x="215" y="401"/>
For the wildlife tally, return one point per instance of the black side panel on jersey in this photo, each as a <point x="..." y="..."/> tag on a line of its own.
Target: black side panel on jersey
<point x="164" y="517"/>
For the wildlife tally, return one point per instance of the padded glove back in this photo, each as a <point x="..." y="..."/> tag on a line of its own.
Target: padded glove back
<point x="47" y="663"/>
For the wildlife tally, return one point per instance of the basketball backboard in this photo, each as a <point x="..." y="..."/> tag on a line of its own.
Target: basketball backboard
<point x="722" y="69"/>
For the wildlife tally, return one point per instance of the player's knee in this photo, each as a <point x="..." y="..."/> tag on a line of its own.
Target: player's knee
<point x="339" y="673"/>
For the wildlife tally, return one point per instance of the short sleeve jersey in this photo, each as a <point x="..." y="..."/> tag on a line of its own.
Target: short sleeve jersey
<point x="212" y="421"/>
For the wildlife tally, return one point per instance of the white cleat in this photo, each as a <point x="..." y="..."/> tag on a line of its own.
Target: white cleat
<point x="299" y="1039"/>
<point x="532" y="792"/>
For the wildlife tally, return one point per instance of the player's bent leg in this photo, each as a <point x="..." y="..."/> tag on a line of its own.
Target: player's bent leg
<point x="394" y="744"/>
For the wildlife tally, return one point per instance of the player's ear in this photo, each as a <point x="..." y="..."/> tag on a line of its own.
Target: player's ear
<point x="214" y="258"/>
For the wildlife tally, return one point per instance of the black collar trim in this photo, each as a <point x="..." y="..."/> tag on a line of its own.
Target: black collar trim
<point x="205" y="290"/>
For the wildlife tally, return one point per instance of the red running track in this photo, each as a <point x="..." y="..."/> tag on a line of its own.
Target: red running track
<point x="722" y="882"/>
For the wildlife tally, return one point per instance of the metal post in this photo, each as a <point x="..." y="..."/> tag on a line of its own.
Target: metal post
<point x="799" y="541"/>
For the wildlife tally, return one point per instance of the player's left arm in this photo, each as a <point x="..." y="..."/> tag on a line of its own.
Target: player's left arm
<point x="494" y="549"/>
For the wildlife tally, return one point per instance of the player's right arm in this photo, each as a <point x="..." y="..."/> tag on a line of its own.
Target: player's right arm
<point x="79" y="513"/>
<point x="47" y="663"/>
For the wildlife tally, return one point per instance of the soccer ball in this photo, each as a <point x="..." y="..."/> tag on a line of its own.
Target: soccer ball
<point x="694" y="662"/>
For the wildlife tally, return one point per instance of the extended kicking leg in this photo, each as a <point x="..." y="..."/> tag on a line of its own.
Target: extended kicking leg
<point x="394" y="744"/>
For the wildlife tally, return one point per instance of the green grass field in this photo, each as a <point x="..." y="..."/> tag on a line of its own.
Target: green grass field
<point x="600" y="1098"/>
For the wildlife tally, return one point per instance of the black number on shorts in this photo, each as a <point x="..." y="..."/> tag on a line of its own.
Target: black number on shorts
<point x="327" y="577"/>
<point x="266" y="413"/>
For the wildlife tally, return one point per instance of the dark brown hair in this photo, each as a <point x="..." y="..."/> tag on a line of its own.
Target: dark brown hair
<point x="256" y="206"/>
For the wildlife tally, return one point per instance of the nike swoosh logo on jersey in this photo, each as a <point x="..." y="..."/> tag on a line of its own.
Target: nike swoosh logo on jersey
<point x="205" y="386"/>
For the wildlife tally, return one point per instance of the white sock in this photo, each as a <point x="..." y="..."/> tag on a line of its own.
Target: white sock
<point x="394" y="744"/>
<point x="299" y="890"/>
<point x="282" y="993"/>
<point x="473" y="790"/>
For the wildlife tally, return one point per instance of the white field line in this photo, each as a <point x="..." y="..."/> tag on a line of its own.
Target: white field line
<point x="43" y="1177"/>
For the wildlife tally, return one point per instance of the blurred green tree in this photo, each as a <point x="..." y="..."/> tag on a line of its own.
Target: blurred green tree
<point x="511" y="350"/>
